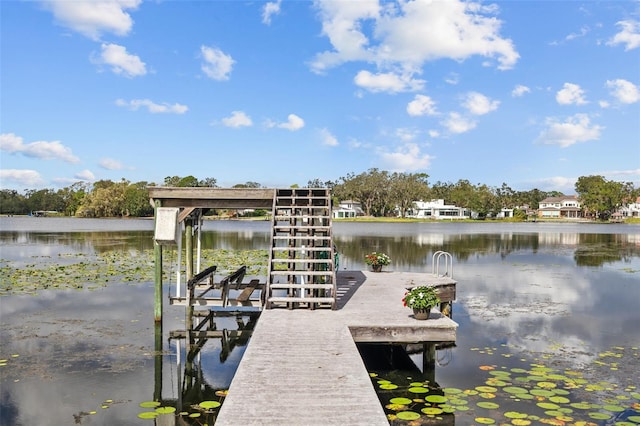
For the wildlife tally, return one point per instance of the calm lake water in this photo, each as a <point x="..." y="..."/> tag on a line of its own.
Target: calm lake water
<point x="533" y="298"/>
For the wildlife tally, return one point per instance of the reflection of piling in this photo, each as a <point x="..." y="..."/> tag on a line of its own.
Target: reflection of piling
<point x="157" y="390"/>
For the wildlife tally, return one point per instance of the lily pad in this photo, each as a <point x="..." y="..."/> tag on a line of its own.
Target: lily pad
<point x="207" y="405"/>
<point x="515" y="415"/>
<point x="148" y="415"/>
<point x="432" y="411"/>
<point x="150" y="404"/>
<point x="488" y="405"/>
<point x="485" y="420"/>
<point x="408" y="415"/>
<point x="436" y="399"/>
<point x="400" y="400"/>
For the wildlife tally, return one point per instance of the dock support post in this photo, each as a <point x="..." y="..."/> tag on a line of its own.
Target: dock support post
<point x="189" y="247"/>
<point x="429" y="361"/>
<point x="157" y="249"/>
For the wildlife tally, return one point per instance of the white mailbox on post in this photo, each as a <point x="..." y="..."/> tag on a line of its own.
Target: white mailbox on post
<point x="167" y="226"/>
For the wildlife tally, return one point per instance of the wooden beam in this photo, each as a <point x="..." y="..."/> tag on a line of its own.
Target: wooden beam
<point x="213" y="198"/>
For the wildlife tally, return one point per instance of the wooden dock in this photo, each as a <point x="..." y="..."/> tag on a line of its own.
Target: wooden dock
<point x="302" y="367"/>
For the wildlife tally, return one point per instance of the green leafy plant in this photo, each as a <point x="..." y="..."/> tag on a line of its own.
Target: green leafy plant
<point x="421" y="297"/>
<point x="376" y="258"/>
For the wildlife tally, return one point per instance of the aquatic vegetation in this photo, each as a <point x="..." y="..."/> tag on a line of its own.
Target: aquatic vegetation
<point x="92" y="271"/>
<point x="534" y="393"/>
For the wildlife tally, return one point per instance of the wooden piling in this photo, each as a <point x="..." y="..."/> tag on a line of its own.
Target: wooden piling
<point x="157" y="249"/>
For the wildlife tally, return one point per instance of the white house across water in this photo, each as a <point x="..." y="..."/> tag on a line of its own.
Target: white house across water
<point x="437" y="209"/>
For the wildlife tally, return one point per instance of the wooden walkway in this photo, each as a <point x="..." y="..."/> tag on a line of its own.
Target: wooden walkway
<point x="302" y="367"/>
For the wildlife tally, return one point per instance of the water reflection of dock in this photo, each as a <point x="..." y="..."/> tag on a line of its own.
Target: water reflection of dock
<point x="303" y="366"/>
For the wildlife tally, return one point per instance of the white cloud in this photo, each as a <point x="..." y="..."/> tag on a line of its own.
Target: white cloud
<point x="421" y="105"/>
<point x="237" y="119"/>
<point x="120" y="61"/>
<point x="85" y="175"/>
<point x="452" y="79"/>
<point x="43" y="150"/>
<point x="583" y="32"/>
<point x="574" y="129"/>
<point x="406" y="158"/>
<point x="456" y="123"/>
<point x="21" y="177"/>
<point x="624" y="91"/>
<point x="93" y="18"/>
<point x="571" y="94"/>
<point x="519" y="91"/>
<point x="407" y="34"/>
<point x="293" y="123"/>
<point x="270" y="9"/>
<point x="434" y="134"/>
<point x="566" y="185"/>
<point x="406" y="135"/>
<point x="217" y="64"/>
<point x="328" y="138"/>
<point x="110" y="164"/>
<point x="629" y="35"/>
<point x="478" y="104"/>
<point x="152" y="107"/>
<point x="387" y="82"/>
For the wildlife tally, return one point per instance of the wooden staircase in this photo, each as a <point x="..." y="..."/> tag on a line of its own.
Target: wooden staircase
<point x="302" y="266"/>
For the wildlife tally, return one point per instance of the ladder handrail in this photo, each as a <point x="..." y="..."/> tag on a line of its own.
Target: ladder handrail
<point x="435" y="263"/>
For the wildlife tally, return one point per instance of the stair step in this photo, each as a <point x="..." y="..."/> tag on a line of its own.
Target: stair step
<point x="311" y="248"/>
<point x="301" y="299"/>
<point x="278" y="286"/>
<point x="303" y="227"/>
<point x="302" y="237"/>
<point x="283" y="217"/>
<point x="310" y="273"/>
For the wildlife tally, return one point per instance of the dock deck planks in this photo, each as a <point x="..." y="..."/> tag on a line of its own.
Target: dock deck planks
<point x="302" y="366"/>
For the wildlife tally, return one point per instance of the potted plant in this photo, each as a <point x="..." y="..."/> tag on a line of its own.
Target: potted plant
<point x="421" y="299"/>
<point x="377" y="260"/>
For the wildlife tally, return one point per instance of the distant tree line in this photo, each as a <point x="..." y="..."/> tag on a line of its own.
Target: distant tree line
<point x="380" y="192"/>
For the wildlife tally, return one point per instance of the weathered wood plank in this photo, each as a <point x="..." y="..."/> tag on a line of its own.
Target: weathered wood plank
<point x="321" y="379"/>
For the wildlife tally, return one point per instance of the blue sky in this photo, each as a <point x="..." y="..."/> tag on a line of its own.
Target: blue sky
<point x="530" y="93"/>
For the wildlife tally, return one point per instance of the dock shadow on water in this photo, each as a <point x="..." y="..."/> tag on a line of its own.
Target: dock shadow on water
<point x="408" y="394"/>
<point x="198" y="395"/>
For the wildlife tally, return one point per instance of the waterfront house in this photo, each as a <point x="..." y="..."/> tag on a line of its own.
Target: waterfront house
<point x="630" y="209"/>
<point x="437" y="209"/>
<point x="348" y="208"/>
<point x="563" y="207"/>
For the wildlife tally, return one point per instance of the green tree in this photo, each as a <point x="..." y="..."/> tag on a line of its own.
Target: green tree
<point x="172" y="180"/>
<point x="106" y="199"/>
<point x="370" y="188"/>
<point x="407" y="188"/>
<point x="208" y="182"/>
<point x="44" y="199"/>
<point x="73" y="197"/>
<point x="441" y="191"/>
<point x="601" y="196"/>
<point x="136" y="200"/>
<point x="506" y="196"/>
<point x="248" y="185"/>
<point x="11" y="202"/>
